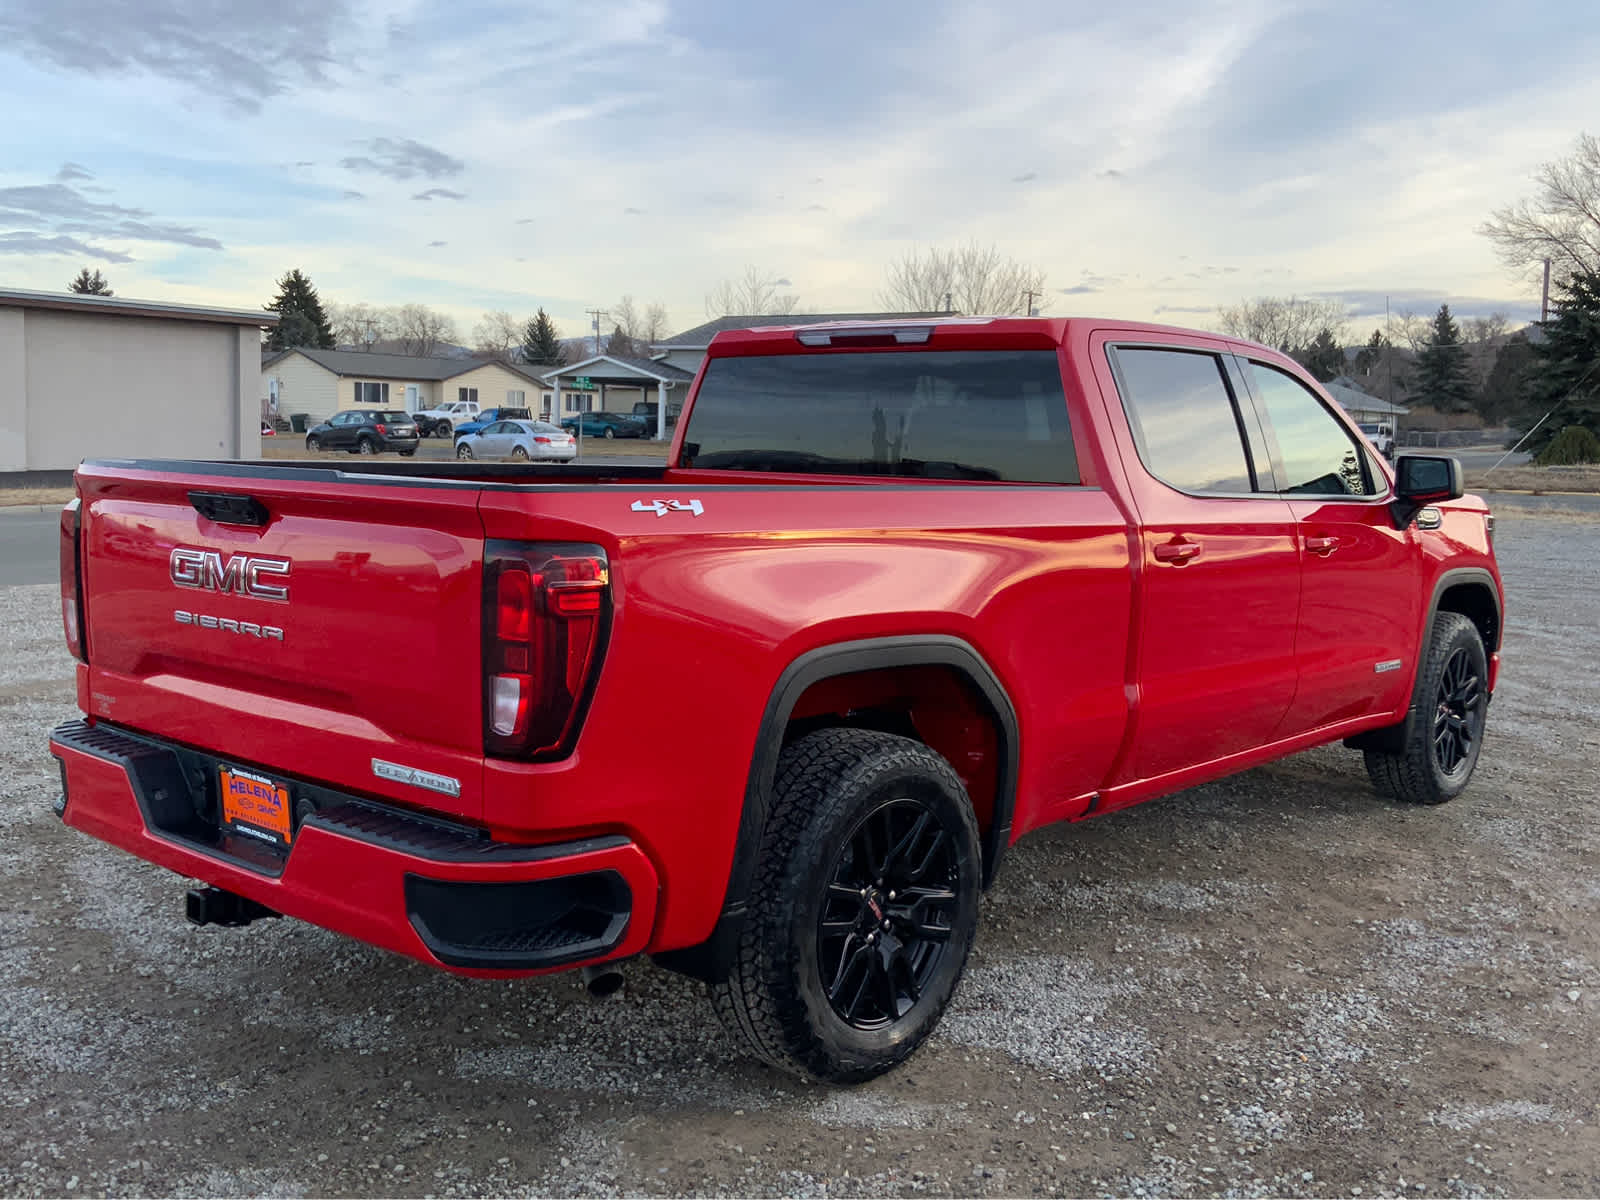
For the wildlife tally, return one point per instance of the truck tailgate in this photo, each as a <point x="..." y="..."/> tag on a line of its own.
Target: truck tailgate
<point x="337" y="639"/>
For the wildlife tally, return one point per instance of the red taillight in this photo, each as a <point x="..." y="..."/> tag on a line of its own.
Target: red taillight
<point x="543" y="441"/>
<point x="383" y="430"/>
<point x="72" y="582"/>
<point x="546" y="611"/>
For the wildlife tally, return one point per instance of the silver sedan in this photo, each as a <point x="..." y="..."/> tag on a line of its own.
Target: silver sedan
<point x="527" y="440"/>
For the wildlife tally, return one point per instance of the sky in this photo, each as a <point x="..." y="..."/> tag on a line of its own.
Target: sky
<point x="1154" y="158"/>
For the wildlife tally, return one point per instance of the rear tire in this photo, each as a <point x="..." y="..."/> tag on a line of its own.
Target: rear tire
<point x="862" y="909"/>
<point x="463" y="450"/>
<point x="1439" y="755"/>
<point x="366" y="446"/>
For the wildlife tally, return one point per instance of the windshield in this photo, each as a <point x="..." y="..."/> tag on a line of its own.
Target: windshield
<point x="995" y="415"/>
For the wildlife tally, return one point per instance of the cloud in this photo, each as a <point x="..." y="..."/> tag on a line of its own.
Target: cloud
<point x="1082" y="289"/>
<point x="65" y="210"/>
<point x="440" y="194"/>
<point x="633" y="212"/>
<point x="781" y="283"/>
<point x="431" y="244"/>
<point x="33" y="243"/>
<point x="352" y="194"/>
<point x="403" y="158"/>
<point x="816" y="208"/>
<point x="70" y="171"/>
<point x="1369" y="304"/>
<point x="1029" y="177"/>
<point x="525" y="220"/>
<point x="243" y="53"/>
<point x="1108" y="173"/>
<point x="1185" y="308"/>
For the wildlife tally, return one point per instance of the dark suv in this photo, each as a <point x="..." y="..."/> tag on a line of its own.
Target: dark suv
<point x="365" y="431"/>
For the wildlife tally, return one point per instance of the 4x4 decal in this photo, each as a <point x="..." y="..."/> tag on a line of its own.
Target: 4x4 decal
<point x="662" y="507"/>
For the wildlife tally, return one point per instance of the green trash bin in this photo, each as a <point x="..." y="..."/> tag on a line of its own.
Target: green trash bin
<point x="297" y="422"/>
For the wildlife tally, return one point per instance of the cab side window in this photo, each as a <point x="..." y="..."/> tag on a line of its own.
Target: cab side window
<point x="1320" y="457"/>
<point x="1183" y="418"/>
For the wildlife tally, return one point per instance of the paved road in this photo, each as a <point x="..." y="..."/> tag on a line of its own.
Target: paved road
<point x="1482" y="459"/>
<point x="28" y="548"/>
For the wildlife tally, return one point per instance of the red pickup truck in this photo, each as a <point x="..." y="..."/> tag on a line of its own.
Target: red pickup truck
<point x="771" y="713"/>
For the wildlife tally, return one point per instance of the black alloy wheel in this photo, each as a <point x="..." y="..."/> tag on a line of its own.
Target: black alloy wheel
<point x="888" y="914"/>
<point x="1458" y="715"/>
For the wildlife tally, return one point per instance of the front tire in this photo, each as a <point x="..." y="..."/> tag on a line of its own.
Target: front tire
<point x="312" y="443"/>
<point x="463" y="450"/>
<point x="610" y="432"/>
<point x="519" y="452"/>
<point x="862" y="909"/>
<point x="1452" y="702"/>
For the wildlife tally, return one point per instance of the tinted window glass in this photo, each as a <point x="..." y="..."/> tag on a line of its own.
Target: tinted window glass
<point x="1319" y="455"/>
<point x="400" y="417"/>
<point x="996" y="414"/>
<point x="1183" y="419"/>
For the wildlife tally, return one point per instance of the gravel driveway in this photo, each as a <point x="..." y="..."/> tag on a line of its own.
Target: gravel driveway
<point x="1277" y="984"/>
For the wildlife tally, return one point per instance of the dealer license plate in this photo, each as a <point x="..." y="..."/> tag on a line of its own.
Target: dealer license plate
<point x="255" y="806"/>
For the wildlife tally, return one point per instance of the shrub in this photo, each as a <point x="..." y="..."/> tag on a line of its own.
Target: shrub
<point x="1569" y="448"/>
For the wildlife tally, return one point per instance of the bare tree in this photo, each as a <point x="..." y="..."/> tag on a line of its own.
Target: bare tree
<point x="754" y="294"/>
<point x="360" y="324"/>
<point x="1484" y="336"/>
<point x="1412" y="330"/>
<point x="420" y="331"/>
<point x="973" y="279"/>
<point x="654" y="327"/>
<point x="1560" y="222"/>
<point x="497" y="334"/>
<point x="625" y="316"/>
<point x="1287" y="324"/>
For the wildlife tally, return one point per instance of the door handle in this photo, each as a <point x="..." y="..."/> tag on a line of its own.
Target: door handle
<point x="1178" y="552"/>
<point x="1322" y="545"/>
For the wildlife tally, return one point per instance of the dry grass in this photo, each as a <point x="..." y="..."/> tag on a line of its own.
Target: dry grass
<point x="35" y="495"/>
<point x="1535" y="479"/>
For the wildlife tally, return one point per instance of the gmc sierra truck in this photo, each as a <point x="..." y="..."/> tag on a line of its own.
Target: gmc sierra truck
<point x="772" y="713"/>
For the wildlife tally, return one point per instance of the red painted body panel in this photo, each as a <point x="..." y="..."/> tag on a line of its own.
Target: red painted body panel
<point x="1131" y="675"/>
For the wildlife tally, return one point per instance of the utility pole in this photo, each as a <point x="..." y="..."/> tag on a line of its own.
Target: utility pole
<point x="1028" y="294"/>
<point x="594" y="315"/>
<point x="1544" y="303"/>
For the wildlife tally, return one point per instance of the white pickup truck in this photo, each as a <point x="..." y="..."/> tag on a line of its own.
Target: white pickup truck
<point x="442" y="421"/>
<point x="1381" y="435"/>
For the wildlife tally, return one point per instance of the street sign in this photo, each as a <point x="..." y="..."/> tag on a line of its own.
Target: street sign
<point x="583" y="383"/>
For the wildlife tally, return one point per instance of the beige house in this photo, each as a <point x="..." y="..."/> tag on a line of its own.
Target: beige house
<point x="319" y="383"/>
<point x="100" y="376"/>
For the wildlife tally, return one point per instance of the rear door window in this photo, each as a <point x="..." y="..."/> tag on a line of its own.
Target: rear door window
<point x="1184" y="420"/>
<point x="955" y="414"/>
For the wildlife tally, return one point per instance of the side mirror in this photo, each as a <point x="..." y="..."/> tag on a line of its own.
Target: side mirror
<point x="1423" y="479"/>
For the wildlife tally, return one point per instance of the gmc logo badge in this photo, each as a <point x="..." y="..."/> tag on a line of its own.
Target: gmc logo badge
<point x="241" y="574"/>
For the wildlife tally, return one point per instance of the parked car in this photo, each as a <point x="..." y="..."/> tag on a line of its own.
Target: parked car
<point x="1381" y="435"/>
<point x="444" y="420"/>
<point x="906" y="593"/>
<point x="646" y="413"/>
<point x="488" y="416"/>
<point x="538" y="441"/>
<point x="365" y="431"/>
<point x="603" y="424"/>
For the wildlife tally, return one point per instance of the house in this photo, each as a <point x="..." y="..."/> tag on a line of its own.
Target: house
<point x="92" y="376"/>
<point x="687" y="350"/>
<point x="617" y="383"/>
<point x="1360" y="405"/>
<point x="318" y="383"/>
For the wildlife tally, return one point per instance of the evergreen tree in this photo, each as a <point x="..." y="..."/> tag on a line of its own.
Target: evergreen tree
<point x="87" y="284"/>
<point x="541" y="345"/>
<point x="1505" y="391"/>
<point x="1566" y="375"/>
<point x="1443" y="380"/>
<point x="1324" y="357"/>
<point x="1370" y="356"/>
<point x="301" y="321"/>
<point x="619" y="344"/>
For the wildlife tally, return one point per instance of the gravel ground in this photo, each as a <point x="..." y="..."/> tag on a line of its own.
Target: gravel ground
<point x="1276" y="984"/>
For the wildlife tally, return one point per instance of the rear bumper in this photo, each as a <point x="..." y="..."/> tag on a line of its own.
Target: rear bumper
<point x="429" y="889"/>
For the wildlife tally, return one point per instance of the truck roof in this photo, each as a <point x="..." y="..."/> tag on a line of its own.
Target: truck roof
<point x="1011" y="332"/>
